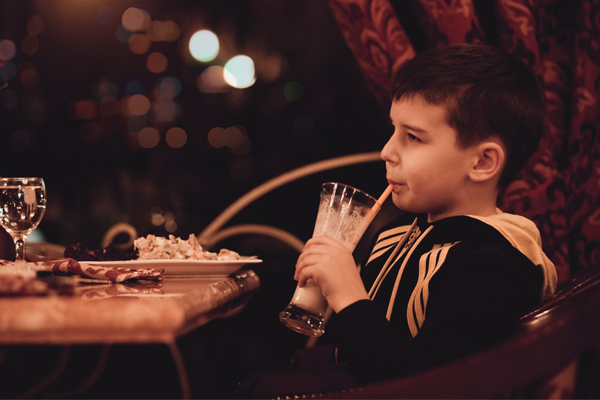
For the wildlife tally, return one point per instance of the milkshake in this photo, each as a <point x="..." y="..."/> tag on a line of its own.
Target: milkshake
<point x="344" y="214"/>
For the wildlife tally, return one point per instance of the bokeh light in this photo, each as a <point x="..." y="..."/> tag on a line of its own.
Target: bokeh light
<point x="139" y="43"/>
<point x="104" y="87"/>
<point x="83" y="110"/>
<point x="243" y="147"/>
<point x="156" y="216"/>
<point x="8" y="49"/>
<point x="235" y="137"/>
<point x="170" y="224"/>
<point x="29" y="44"/>
<point x="28" y="75"/>
<point x="135" y="87"/>
<point x="35" y="25"/>
<point x="293" y="91"/>
<point x="211" y="80"/>
<point x="157" y="62"/>
<point x="148" y="137"/>
<point x="138" y="104"/>
<point x="165" y="110"/>
<point x="8" y="71"/>
<point x="239" y="72"/>
<point x="135" y="19"/>
<point x="176" y="137"/>
<point x="163" y="31"/>
<point x="168" y="87"/>
<point x="215" y="137"/>
<point x="270" y="67"/>
<point x="232" y="136"/>
<point x="204" y="45"/>
<point x="122" y="34"/>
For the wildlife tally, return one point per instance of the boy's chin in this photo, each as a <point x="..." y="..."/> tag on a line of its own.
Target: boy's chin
<point x="404" y="206"/>
<point x="407" y="206"/>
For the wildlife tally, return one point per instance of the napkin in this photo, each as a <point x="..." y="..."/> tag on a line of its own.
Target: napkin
<point x="89" y="270"/>
<point x="110" y="273"/>
<point x="20" y="279"/>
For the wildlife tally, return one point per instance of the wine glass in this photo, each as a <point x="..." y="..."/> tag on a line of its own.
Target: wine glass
<point x="22" y="206"/>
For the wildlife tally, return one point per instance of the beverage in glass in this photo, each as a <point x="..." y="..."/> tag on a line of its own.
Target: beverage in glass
<point x="22" y="206"/>
<point x="344" y="214"/>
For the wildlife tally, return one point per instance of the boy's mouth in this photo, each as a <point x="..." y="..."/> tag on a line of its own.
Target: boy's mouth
<point x="396" y="185"/>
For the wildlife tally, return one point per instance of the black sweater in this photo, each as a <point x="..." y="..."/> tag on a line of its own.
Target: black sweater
<point x="463" y="288"/>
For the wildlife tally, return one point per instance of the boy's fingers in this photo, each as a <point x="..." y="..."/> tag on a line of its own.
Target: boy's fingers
<point x="323" y="240"/>
<point x="304" y="275"/>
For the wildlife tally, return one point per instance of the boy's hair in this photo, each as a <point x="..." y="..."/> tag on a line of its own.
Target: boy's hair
<point x="487" y="93"/>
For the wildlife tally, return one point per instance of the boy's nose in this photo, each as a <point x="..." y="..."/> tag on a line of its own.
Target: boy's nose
<point x="386" y="153"/>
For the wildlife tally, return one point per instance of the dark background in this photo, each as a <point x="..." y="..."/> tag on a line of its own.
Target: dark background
<point x="94" y="184"/>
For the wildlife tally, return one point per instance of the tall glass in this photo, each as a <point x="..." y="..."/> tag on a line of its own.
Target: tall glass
<point x="22" y="206"/>
<point x="344" y="214"/>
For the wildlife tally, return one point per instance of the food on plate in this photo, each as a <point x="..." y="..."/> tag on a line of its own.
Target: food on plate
<point x="111" y="252"/>
<point x="150" y="247"/>
<point x="154" y="247"/>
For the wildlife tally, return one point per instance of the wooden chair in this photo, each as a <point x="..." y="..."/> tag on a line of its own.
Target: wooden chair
<point x="215" y="231"/>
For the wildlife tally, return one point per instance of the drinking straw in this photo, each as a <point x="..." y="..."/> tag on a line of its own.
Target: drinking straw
<point x="379" y="202"/>
<point x="385" y="194"/>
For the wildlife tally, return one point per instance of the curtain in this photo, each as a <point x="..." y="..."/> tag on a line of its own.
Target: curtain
<point x="559" y="188"/>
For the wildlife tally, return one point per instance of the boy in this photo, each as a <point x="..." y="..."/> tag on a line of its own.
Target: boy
<point x="455" y="274"/>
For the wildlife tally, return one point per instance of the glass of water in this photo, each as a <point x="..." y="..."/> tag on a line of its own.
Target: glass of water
<point x="22" y="206"/>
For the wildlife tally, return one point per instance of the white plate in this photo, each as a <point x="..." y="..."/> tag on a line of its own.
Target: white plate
<point x="205" y="268"/>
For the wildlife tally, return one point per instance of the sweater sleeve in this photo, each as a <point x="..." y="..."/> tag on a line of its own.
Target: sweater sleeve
<point x="473" y="304"/>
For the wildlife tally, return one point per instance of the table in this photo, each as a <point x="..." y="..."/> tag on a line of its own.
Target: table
<point x="122" y="313"/>
<point x="155" y="313"/>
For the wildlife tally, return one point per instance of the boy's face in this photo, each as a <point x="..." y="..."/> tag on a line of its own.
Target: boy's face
<point x="423" y="160"/>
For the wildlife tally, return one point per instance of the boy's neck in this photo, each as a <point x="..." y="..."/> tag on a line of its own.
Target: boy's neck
<point x="477" y="204"/>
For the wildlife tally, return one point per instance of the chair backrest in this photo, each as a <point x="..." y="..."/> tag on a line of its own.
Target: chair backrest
<point x="211" y="234"/>
<point x="581" y="281"/>
<point x="122" y="230"/>
<point x="549" y="338"/>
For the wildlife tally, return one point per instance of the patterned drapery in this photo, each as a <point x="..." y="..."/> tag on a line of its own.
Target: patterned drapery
<point x="559" y="189"/>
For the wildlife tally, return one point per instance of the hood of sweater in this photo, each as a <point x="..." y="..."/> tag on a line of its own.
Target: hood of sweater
<point x="524" y="235"/>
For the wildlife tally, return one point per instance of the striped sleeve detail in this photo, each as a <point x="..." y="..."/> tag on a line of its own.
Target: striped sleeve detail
<point x="386" y="240"/>
<point x="398" y="247"/>
<point x="429" y="264"/>
<point x="394" y="257"/>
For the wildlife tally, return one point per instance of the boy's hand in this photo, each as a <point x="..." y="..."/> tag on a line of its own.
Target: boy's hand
<point x="331" y="266"/>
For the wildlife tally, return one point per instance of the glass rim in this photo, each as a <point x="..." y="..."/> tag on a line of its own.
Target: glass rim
<point x="5" y="178"/>
<point x="23" y="180"/>
<point x="350" y="187"/>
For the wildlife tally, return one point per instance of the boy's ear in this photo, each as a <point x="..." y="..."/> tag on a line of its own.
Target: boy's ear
<point x="488" y="161"/>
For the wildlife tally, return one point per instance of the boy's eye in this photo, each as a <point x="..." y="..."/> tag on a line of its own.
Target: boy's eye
<point x="412" y="137"/>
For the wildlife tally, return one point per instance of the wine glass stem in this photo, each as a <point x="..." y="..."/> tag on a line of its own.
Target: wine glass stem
<point x="20" y="247"/>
